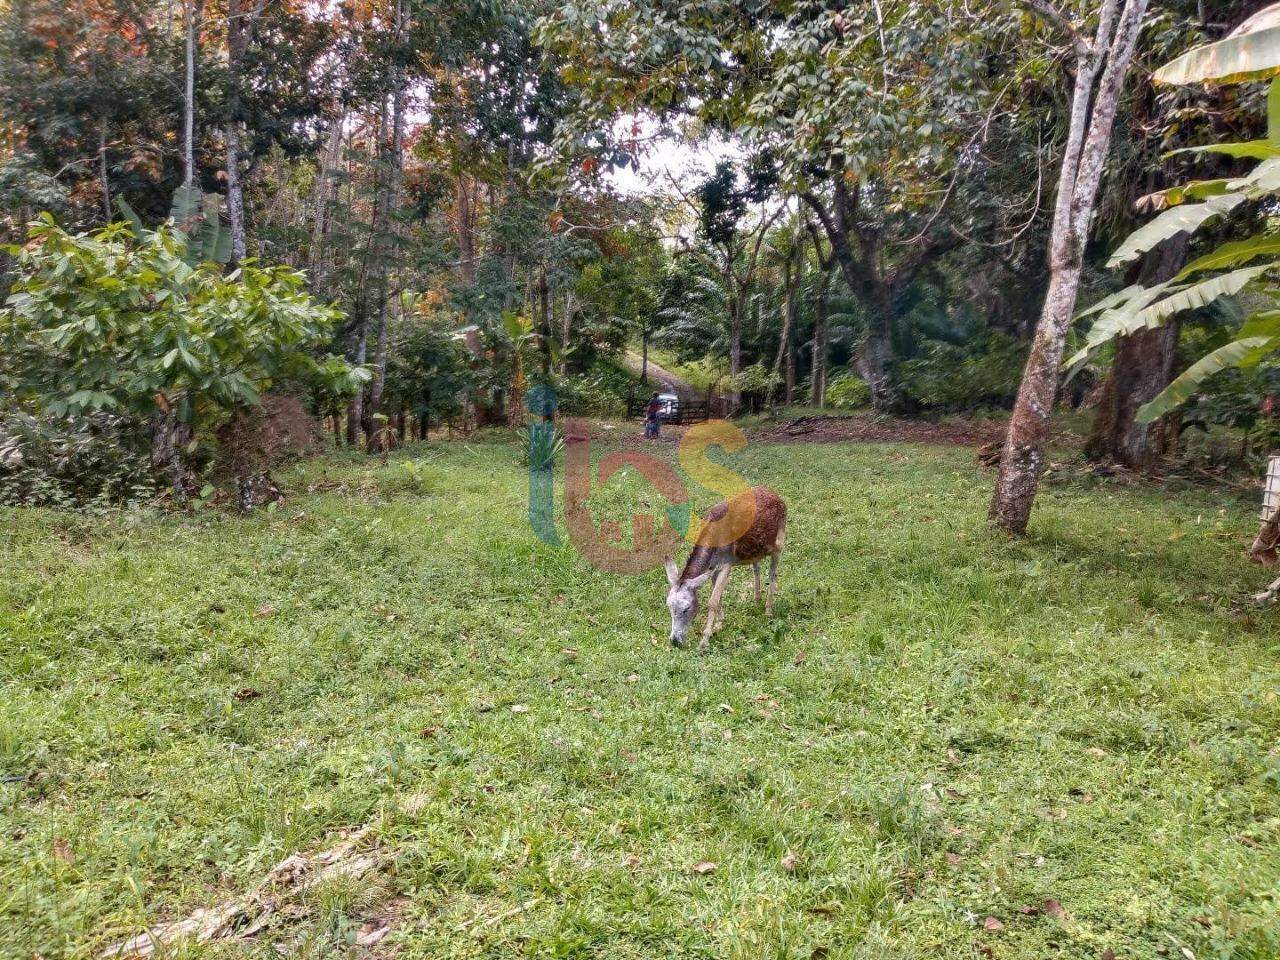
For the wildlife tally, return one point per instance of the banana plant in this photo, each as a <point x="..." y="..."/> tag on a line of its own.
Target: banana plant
<point x="1250" y="53"/>
<point x="198" y="217"/>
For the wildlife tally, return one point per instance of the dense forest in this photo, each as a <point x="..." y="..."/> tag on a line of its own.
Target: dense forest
<point x="400" y="216"/>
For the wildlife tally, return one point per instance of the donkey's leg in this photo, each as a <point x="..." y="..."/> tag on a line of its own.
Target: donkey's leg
<point x="713" y="608"/>
<point x="773" y="583"/>
<point x="755" y="569"/>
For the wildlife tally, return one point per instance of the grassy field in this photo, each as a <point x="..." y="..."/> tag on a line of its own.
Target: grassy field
<point x="946" y="745"/>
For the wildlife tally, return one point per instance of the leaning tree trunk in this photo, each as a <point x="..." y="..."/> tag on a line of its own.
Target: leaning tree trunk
<point x="1022" y="461"/>
<point x="1092" y="115"/>
<point x="1143" y="366"/>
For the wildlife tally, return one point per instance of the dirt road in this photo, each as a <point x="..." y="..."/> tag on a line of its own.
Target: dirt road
<point x="663" y="380"/>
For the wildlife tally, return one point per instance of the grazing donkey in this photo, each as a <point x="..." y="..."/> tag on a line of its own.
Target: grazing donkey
<point x="755" y="523"/>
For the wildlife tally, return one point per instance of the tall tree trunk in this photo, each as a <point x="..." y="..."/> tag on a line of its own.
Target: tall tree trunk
<point x="238" y="20"/>
<point x="390" y="205"/>
<point x="377" y="384"/>
<point x="235" y="194"/>
<point x="789" y="279"/>
<point x="355" y="412"/>
<point x="466" y="228"/>
<point x="192" y="11"/>
<point x="1088" y="138"/>
<point x="875" y="357"/>
<point x="103" y="179"/>
<point x="566" y="330"/>
<point x="545" y="328"/>
<point x="735" y="349"/>
<point x="1143" y="366"/>
<point x="789" y="378"/>
<point x="818" y="379"/>
<point x="324" y="195"/>
<point x="644" y="353"/>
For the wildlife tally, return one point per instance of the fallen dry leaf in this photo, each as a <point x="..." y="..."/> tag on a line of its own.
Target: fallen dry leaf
<point x="633" y="678"/>
<point x="1053" y="908"/>
<point x="372" y="932"/>
<point x="703" y="867"/>
<point x="954" y="859"/>
<point x="631" y="860"/>
<point x="991" y="923"/>
<point x="519" y="708"/>
<point x="1186" y="952"/>
<point x="245" y="694"/>
<point x="789" y="862"/>
<point x="725" y="708"/>
<point x="1108" y="954"/>
<point x="62" y="850"/>
<point x="266" y="610"/>
<point x="801" y="657"/>
<point x="429" y="732"/>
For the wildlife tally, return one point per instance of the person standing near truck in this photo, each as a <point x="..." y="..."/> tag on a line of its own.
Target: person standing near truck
<point x="653" y="417"/>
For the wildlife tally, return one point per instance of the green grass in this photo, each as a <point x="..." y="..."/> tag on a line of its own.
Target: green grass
<point x="940" y="725"/>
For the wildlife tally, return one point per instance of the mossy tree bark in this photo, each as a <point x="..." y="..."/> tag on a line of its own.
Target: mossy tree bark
<point x="1101" y="66"/>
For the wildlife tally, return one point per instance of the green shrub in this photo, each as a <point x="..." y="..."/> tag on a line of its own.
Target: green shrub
<point x="755" y="379"/>
<point x="600" y="393"/>
<point x="984" y="371"/>
<point x="73" y="463"/>
<point x="848" y="392"/>
<point x="118" y="322"/>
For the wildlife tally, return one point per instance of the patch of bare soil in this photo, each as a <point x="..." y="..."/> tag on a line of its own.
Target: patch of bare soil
<point x="627" y="433"/>
<point x="953" y="431"/>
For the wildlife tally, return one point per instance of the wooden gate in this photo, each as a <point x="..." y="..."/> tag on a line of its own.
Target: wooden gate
<point x="681" y="413"/>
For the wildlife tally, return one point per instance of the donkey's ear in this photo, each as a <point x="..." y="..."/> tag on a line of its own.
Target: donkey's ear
<point x="695" y="582"/>
<point x="673" y="572"/>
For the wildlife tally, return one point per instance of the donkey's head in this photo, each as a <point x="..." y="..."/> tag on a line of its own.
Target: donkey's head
<point x="682" y="601"/>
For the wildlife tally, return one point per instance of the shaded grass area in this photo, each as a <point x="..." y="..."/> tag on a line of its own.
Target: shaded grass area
<point x="940" y="727"/>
